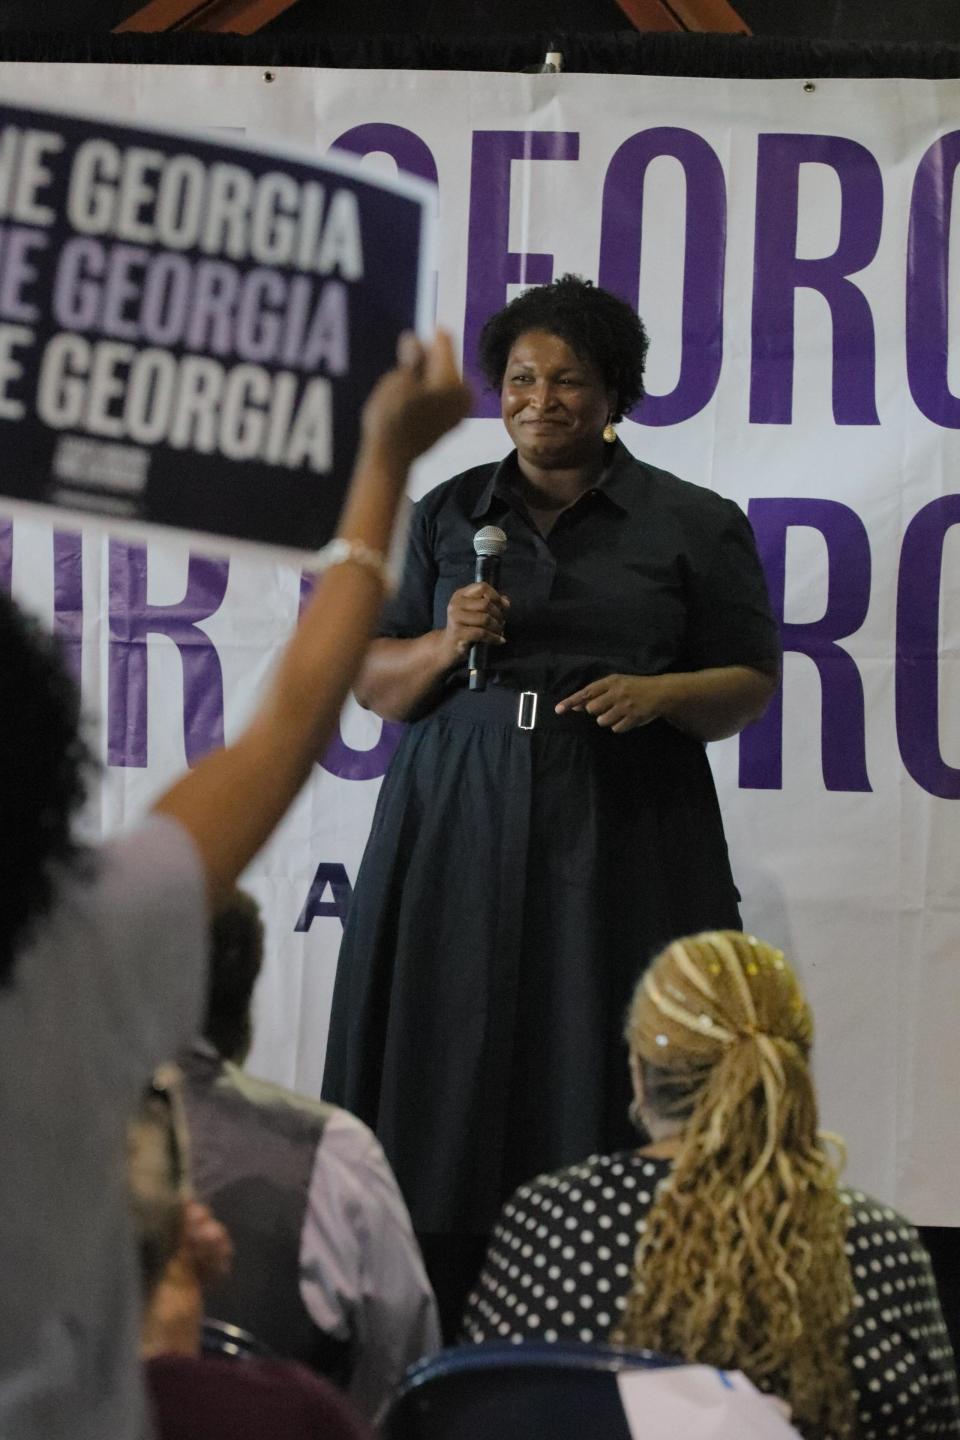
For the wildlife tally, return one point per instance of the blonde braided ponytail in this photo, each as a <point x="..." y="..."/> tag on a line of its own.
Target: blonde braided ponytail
<point x="742" y="1262"/>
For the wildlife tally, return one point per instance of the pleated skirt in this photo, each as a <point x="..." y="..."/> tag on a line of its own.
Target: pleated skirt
<point x="514" y="887"/>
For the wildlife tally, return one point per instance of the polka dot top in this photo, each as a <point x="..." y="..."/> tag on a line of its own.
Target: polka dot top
<point x="558" y="1268"/>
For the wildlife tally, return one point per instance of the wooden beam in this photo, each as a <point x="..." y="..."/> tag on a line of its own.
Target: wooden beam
<point x="649" y="15"/>
<point x="238" y="17"/>
<point x="156" y="16"/>
<point x="702" y="16"/>
<point x="245" y="17"/>
<point x="714" y="17"/>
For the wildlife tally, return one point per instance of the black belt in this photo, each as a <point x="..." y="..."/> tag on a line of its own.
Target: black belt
<point x="518" y="709"/>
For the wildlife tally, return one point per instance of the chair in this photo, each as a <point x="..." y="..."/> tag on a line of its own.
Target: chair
<point x="218" y="1337"/>
<point x="516" y="1392"/>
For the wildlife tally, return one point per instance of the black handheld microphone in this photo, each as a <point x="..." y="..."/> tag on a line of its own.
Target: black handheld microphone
<point x="488" y="544"/>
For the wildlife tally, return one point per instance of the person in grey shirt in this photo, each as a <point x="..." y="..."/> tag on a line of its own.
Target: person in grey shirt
<point x="102" y="953"/>
<point x="196" y="1394"/>
<point x="326" y="1267"/>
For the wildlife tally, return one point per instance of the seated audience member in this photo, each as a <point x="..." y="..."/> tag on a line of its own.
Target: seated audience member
<point x="103" y="952"/>
<point x="726" y="1238"/>
<point x="327" y="1269"/>
<point x="195" y="1396"/>
<point x="183" y="1248"/>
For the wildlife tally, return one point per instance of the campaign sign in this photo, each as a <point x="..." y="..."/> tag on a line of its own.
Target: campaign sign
<point x="188" y="329"/>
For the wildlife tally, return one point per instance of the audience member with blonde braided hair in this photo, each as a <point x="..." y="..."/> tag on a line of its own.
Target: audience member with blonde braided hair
<point x="727" y="1239"/>
<point x="742" y="1261"/>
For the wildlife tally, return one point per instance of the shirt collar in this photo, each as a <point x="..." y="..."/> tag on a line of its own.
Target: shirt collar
<point x="498" y="484"/>
<point x="618" y="483"/>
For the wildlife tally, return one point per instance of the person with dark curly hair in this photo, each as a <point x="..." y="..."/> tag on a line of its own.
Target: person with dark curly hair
<point x="103" y="951"/>
<point x="46" y="766"/>
<point x="535" y="842"/>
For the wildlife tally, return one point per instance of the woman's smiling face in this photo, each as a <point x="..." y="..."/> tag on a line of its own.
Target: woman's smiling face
<point x="554" y="403"/>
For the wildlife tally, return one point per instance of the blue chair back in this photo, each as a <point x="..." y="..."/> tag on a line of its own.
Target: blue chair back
<point x="532" y="1391"/>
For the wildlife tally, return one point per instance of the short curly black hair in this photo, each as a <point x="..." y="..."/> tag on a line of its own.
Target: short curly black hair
<point x="597" y="325"/>
<point x="236" y="954"/>
<point x="45" y="765"/>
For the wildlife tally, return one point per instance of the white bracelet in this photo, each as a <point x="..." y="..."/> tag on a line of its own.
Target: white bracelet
<point x="344" y="552"/>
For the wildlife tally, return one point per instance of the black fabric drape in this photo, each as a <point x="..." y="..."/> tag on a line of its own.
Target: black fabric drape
<point x="615" y="53"/>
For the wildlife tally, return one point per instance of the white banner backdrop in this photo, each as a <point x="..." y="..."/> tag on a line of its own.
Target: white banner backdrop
<point x="789" y="246"/>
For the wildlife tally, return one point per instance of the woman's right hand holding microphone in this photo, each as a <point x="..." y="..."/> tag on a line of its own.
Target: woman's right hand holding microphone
<point x="476" y="615"/>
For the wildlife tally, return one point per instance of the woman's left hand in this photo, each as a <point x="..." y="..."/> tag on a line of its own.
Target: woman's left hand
<point x="619" y="702"/>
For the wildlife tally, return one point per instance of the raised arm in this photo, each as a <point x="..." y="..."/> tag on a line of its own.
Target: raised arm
<point x="235" y="797"/>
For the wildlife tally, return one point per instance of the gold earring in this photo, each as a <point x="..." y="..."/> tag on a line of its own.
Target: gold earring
<point x="609" y="433"/>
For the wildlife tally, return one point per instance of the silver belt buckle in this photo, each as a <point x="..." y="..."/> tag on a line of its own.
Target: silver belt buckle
<point x="527" y="710"/>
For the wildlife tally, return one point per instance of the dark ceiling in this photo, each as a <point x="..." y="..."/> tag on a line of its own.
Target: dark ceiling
<point x="857" y="20"/>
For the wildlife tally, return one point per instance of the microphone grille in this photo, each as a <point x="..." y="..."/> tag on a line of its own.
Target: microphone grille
<point x="489" y="541"/>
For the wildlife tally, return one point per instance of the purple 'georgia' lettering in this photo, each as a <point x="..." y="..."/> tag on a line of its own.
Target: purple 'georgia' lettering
<point x="349" y="764"/>
<point x="343" y="760"/>
<point x="491" y="264"/>
<point x="918" y="645"/>
<point x="132" y="619"/>
<point x="704" y="250"/>
<point x="843" y="727"/>
<point x="68" y="597"/>
<point x="410" y="152"/>
<point x="778" y="272"/>
<point x="67" y="589"/>
<point x="928" y="247"/>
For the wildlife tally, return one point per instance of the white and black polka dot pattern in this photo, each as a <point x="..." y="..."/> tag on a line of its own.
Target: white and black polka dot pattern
<point x="559" y="1262"/>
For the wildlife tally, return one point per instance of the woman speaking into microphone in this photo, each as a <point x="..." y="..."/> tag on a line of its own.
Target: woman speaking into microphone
<point x="537" y="840"/>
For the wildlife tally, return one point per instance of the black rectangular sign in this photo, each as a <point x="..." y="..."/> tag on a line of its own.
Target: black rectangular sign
<point x="188" y="329"/>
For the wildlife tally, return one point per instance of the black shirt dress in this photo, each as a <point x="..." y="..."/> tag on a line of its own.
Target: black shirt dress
<point x="517" y="881"/>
